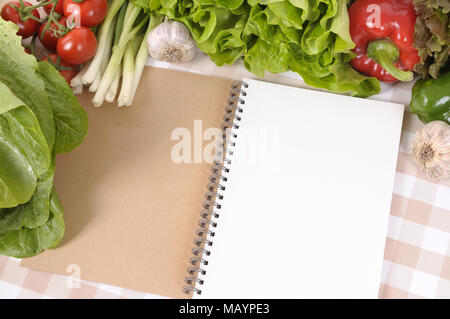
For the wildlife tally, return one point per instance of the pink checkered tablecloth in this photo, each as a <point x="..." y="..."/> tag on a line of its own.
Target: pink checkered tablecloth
<point x="417" y="254"/>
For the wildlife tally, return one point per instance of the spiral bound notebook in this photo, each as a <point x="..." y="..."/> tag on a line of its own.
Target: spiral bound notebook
<point x="296" y="202"/>
<point x="299" y="203"/>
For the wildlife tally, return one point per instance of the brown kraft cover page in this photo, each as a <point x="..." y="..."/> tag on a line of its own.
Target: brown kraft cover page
<point x="131" y="212"/>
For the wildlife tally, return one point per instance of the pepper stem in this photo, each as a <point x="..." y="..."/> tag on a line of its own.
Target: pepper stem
<point x="386" y="53"/>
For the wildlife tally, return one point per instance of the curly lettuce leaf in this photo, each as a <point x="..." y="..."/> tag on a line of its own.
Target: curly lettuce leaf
<point x="229" y="4"/>
<point x="338" y="76"/>
<point x="432" y="36"/>
<point x="265" y="57"/>
<point x="310" y="37"/>
<point x="217" y="32"/>
<point x="310" y="10"/>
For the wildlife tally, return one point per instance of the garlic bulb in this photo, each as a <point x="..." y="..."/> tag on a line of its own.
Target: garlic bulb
<point x="171" y="42"/>
<point x="431" y="150"/>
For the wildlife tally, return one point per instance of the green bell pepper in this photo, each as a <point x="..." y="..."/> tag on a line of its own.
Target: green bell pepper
<point x="431" y="99"/>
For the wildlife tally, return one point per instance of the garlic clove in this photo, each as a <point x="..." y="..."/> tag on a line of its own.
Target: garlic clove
<point x="430" y="149"/>
<point x="171" y="42"/>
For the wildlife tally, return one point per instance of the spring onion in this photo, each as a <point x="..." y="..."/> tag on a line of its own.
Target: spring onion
<point x="122" y="52"/>
<point x="141" y="57"/>
<point x="128" y="33"/>
<point x="105" y="58"/>
<point x="112" y="91"/>
<point x="94" y="67"/>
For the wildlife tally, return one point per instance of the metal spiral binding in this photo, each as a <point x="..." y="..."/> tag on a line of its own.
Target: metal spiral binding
<point x="215" y="187"/>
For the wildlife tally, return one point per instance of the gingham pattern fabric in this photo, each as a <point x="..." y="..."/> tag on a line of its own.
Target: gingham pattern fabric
<point x="417" y="254"/>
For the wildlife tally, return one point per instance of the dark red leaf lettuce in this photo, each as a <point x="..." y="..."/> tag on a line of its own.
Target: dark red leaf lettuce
<point x="432" y="35"/>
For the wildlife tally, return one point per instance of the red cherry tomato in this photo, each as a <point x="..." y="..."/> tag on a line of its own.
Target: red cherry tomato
<point x="66" y="74"/>
<point x="27" y="27"/>
<point x="49" y="39"/>
<point x="78" y="46"/>
<point x="90" y="12"/>
<point x="58" y="9"/>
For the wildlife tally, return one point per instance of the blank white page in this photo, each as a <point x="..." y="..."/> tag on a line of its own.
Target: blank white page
<point x="307" y="199"/>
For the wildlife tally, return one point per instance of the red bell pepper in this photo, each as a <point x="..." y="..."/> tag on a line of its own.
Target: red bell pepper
<point x="383" y="34"/>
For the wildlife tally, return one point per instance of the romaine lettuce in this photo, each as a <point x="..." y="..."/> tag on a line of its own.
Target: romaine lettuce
<point x="39" y="117"/>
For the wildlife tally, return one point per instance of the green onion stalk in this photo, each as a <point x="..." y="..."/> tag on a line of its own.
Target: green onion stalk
<point x="105" y="58"/>
<point x="128" y="71"/>
<point x="76" y="83"/>
<point x="129" y="32"/>
<point x="119" y="24"/>
<point x="142" y="56"/>
<point x="94" y="67"/>
<point x="112" y="91"/>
